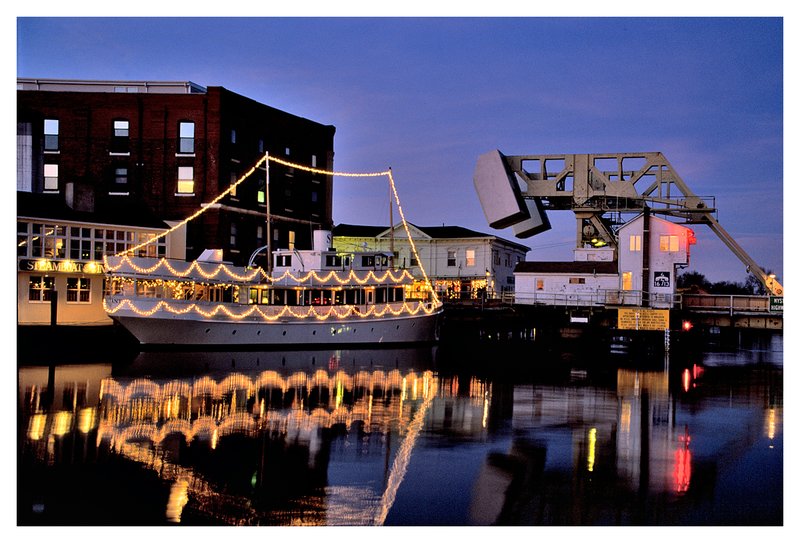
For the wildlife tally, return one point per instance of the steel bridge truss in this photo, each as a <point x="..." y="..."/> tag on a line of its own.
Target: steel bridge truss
<point x="518" y="191"/>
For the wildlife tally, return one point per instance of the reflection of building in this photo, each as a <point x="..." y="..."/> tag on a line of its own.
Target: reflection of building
<point x="643" y="273"/>
<point x="459" y="262"/>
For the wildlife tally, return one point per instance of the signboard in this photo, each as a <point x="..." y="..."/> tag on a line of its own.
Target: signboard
<point x="776" y="303"/>
<point x="661" y="279"/>
<point x="642" y="319"/>
<point x="64" y="266"/>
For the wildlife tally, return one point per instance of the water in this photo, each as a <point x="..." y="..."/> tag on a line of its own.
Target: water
<point x="453" y="435"/>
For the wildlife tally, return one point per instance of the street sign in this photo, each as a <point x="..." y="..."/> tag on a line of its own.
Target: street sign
<point x="776" y="303"/>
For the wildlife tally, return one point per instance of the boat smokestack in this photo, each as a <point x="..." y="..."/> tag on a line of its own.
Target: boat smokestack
<point x="323" y="240"/>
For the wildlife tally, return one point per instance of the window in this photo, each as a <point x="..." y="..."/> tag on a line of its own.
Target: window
<point x="261" y="193"/>
<point x="120" y="142"/>
<point x="283" y="260"/>
<point x="234" y="179"/>
<point x="496" y="257"/>
<point x="367" y="261"/>
<point x="451" y="258"/>
<point x="313" y="161"/>
<point x="234" y="232"/>
<point x="120" y="183"/>
<point x="291" y="239"/>
<point x="333" y="261"/>
<point x="540" y="284"/>
<point x="635" y="243"/>
<point x="314" y="197"/>
<point x="51" y="134"/>
<point x="233" y="135"/>
<point x="668" y="244"/>
<point x="261" y="145"/>
<point x="40" y="289"/>
<point x="48" y="241"/>
<point x="577" y="280"/>
<point x="80" y="243"/>
<point x="51" y="177"/>
<point x="627" y="280"/>
<point x="185" y="180"/>
<point x="78" y="289"/>
<point x="470" y="257"/>
<point x="186" y="137"/>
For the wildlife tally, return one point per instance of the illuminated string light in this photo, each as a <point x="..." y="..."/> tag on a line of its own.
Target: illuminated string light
<point x="254" y="311"/>
<point x="224" y="269"/>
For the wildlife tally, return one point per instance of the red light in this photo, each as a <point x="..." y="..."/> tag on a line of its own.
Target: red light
<point x="686" y="326"/>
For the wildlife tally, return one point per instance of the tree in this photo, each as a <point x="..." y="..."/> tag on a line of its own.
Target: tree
<point x="693" y="279"/>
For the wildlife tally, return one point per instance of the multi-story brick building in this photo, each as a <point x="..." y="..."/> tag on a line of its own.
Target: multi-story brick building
<point x="172" y="147"/>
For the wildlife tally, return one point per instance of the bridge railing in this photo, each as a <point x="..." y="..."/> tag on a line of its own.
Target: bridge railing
<point x="729" y="303"/>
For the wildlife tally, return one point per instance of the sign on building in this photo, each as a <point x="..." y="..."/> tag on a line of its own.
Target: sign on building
<point x="661" y="279"/>
<point x="642" y="319"/>
<point x="776" y="303"/>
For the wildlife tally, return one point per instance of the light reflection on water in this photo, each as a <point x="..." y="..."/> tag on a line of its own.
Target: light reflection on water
<point x="399" y="437"/>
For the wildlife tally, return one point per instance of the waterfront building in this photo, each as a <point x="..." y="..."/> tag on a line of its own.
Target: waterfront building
<point x="641" y="272"/>
<point x="171" y="148"/>
<point x="460" y="263"/>
<point x="60" y="254"/>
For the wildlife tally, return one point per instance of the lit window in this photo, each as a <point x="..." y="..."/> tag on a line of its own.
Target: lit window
<point x="40" y="289"/>
<point x="234" y="179"/>
<point x="291" y="239"/>
<point x="51" y="177"/>
<point x="668" y="244"/>
<point x="451" y="258"/>
<point x="261" y="193"/>
<point x="636" y="243"/>
<point x="540" y="284"/>
<point x="313" y="161"/>
<point x="577" y="280"/>
<point x="185" y="180"/>
<point x="51" y="134"/>
<point x="470" y="257"/>
<point x="78" y="290"/>
<point x="186" y="137"/>
<point x="627" y="280"/>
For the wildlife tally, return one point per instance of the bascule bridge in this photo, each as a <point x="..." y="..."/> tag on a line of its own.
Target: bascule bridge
<point x="605" y="192"/>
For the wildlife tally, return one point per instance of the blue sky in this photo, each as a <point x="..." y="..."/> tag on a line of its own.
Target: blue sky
<point x="426" y="96"/>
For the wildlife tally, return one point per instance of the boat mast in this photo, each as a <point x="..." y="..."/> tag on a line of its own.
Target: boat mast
<point x="391" y="221"/>
<point x="269" y="218"/>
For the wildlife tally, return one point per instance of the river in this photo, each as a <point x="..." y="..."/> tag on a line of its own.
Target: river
<point x="447" y="435"/>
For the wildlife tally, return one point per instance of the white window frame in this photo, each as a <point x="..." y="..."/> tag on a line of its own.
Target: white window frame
<point x="185" y="185"/>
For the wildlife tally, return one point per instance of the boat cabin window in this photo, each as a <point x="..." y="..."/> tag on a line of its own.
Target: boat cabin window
<point x="368" y="261"/>
<point x="283" y="261"/>
<point x="337" y="261"/>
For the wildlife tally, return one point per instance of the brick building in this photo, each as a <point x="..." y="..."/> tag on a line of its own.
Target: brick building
<point x="172" y="147"/>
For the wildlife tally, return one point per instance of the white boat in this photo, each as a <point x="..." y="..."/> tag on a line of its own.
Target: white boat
<point x="309" y="297"/>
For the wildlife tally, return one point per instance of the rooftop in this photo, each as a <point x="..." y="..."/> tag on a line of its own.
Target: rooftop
<point x="82" y="85"/>
<point x="435" y="232"/>
<point x="51" y="206"/>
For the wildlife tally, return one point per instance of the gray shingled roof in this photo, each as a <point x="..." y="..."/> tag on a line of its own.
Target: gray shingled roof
<point x="435" y="232"/>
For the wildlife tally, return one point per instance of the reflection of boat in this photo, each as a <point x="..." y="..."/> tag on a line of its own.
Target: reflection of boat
<point x="180" y="363"/>
<point x="312" y="297"/>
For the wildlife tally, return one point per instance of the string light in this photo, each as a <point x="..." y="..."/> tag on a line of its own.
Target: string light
<point x="254" y="311"/>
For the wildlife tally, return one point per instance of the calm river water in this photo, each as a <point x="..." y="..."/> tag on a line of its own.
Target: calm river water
<point x="438" y="436"/>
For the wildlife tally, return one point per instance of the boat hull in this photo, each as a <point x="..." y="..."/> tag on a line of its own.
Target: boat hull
<point x="153" y="330"/>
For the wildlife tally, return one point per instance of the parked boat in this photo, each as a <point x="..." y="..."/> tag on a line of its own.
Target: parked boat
<point x="309" y="297"/>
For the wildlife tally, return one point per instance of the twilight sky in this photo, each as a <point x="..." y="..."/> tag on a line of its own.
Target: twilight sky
<point x="426" y="96"/>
